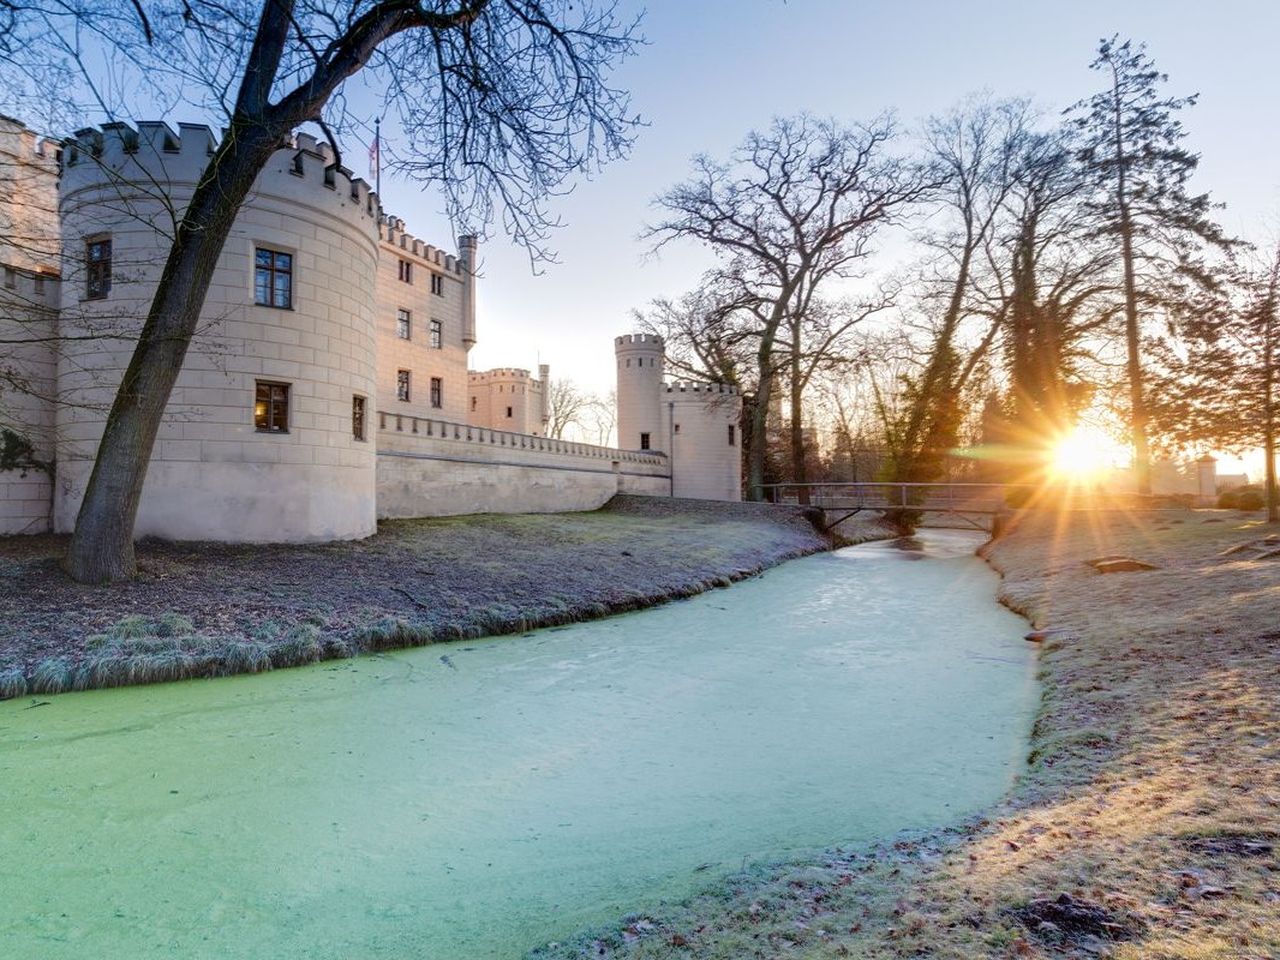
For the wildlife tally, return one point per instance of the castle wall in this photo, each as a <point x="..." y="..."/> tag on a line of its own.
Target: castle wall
<point x="28" y="312"/>
<point x="430" y="468"/>
<point x="214" y="475"/>
<point x="494" y="392"/>
<point x="28" y="388"/>
<point x="697" y="417"/>
<point x="448" y="362"/>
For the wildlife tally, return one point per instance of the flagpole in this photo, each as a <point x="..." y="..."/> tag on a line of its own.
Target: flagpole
<point x="377" y="148"/>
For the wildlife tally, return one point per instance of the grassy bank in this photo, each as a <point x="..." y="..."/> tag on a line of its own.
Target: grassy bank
<point x="1147" y="822"/>
<point x="212" y="609"/>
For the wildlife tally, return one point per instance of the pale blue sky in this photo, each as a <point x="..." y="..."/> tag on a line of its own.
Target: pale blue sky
<point x="714" y="69"/>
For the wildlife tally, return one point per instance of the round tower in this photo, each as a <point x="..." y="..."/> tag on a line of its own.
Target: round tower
<point x="640" y="392"/>
<point x="268" y="433"/>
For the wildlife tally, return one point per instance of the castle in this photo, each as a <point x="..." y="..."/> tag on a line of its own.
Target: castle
<point x="327" y="386"/>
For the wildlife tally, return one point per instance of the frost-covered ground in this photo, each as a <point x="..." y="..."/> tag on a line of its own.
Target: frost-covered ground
<point x="201" y="609"/>
<point x="1147" y="824"/>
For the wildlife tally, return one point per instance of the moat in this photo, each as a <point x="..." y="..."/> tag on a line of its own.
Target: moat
<point x="479" y="798"/>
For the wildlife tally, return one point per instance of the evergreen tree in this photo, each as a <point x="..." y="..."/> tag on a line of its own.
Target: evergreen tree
<point x="1131" y="148"/>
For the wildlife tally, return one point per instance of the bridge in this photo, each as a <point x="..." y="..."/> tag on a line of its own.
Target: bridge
<point x="974" y="505"/>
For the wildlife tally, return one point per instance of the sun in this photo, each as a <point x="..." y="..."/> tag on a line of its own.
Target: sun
<point x="1081" y="455"/>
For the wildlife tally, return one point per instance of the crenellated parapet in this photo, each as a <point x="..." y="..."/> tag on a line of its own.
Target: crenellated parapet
<point x="701" y="390"/>
<point x="27" y="146"/>
<point x="498" y="373"/>
<point x="152" y="157"/>
<point x="391" y="230"/>
<point x="649" y="340"/>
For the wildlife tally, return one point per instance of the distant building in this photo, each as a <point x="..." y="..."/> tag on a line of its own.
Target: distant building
<point x="695" y="424"/>
<point x="509" y="398"/>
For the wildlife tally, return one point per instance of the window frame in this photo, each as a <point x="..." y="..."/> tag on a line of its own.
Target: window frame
<point x="404" y="385"/>
<point x="271" y="386"/>
<point x="359" y="417"/>
<point x="436" y="340"/>
<point x="436" y="393"/>
<point x="97" y="272"/>
<point x="273" y="270"/>
<point x="437" y="284"/>
<point x="405" y="271"/>
<point x="645" y="443"/>
<point x="733" y="429"/>
<point x="404" y="317"/>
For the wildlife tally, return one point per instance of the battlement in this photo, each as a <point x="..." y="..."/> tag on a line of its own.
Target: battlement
<point x="703" y="389"/>
<point x="118" y="153"/>
<point x="633" y="340"/>
<point x="391" y="230"/>
<point x="498" y="373"/>
<point x="29" y="147"/>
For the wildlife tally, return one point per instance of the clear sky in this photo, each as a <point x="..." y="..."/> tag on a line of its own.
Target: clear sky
<point x="714" y="69"/>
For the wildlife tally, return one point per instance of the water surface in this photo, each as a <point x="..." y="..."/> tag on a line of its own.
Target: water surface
<point x="476" y="799"/>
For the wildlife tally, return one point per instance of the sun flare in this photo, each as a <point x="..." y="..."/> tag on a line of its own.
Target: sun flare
<point x="1082" y="455"/>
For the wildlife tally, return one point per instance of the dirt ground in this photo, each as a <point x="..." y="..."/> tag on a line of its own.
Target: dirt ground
<point x="200" y="609"/>
<point x="1147" y="822"/>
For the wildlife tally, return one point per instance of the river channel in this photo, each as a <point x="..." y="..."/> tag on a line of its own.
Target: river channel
<point x="476" y="799"/>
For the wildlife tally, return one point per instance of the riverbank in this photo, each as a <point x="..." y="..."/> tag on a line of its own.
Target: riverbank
<point x="1145" y="823"/>
<point x="200" y="609"/>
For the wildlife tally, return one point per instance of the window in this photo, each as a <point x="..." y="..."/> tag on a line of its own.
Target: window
<point x="437" y="392"/>
<point x="10" y="278"/>
<point x="644" y="441"/>
<point x="437" y="334"/>
<point x="676" y="428"/>
<point x="508" y="413"/>
<point x="404" y="324"/>
<point x="731" y="437"/>
<point x="271" y="407"/>
<point x="406" y="271"/>
<point x="473" y="402"/>
<point x="402" y="385"/>
<point x="273" y="279"/>
<point x="97" y="269"/>
<point x="437" y="284"/>
<point x="357" y="417"/>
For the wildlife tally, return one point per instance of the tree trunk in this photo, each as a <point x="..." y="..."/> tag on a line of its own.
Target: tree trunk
<point x="1132" y="327"/>
<point x="101" y="547"/>
<point x="759" y="435"/>
<point x="1268" y="391"/>
<point x="799" y="471"/>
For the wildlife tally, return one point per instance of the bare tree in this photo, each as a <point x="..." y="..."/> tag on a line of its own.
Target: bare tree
<point x="971" y="154"/>
<point x="600" y="417"/>
<point x="566" y="403"/>
<point x="500" y="100"/>
<point x="793" y="207"/>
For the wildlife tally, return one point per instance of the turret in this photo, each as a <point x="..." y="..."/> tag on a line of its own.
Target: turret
<point x="467" y="261"/>
<point x="639" y="358"/>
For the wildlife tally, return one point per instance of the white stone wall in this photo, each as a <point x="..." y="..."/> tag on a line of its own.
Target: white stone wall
<point x="493" y="392"/>
<point x="28" y="308"/>
<point x="696" y="418"/>
<point x="213" y="475"/>
<point x="416" y="354"/>
<point x="431" y="468"/>
<point x="640" y="359"/>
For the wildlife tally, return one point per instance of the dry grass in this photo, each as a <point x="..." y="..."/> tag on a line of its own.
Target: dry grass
<point x="1151" y="799"/>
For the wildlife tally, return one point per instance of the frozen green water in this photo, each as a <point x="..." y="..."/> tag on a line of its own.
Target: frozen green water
<point x="476" y="799"/>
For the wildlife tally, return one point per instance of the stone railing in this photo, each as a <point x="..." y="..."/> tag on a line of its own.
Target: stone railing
<point x="430" y="428"/>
